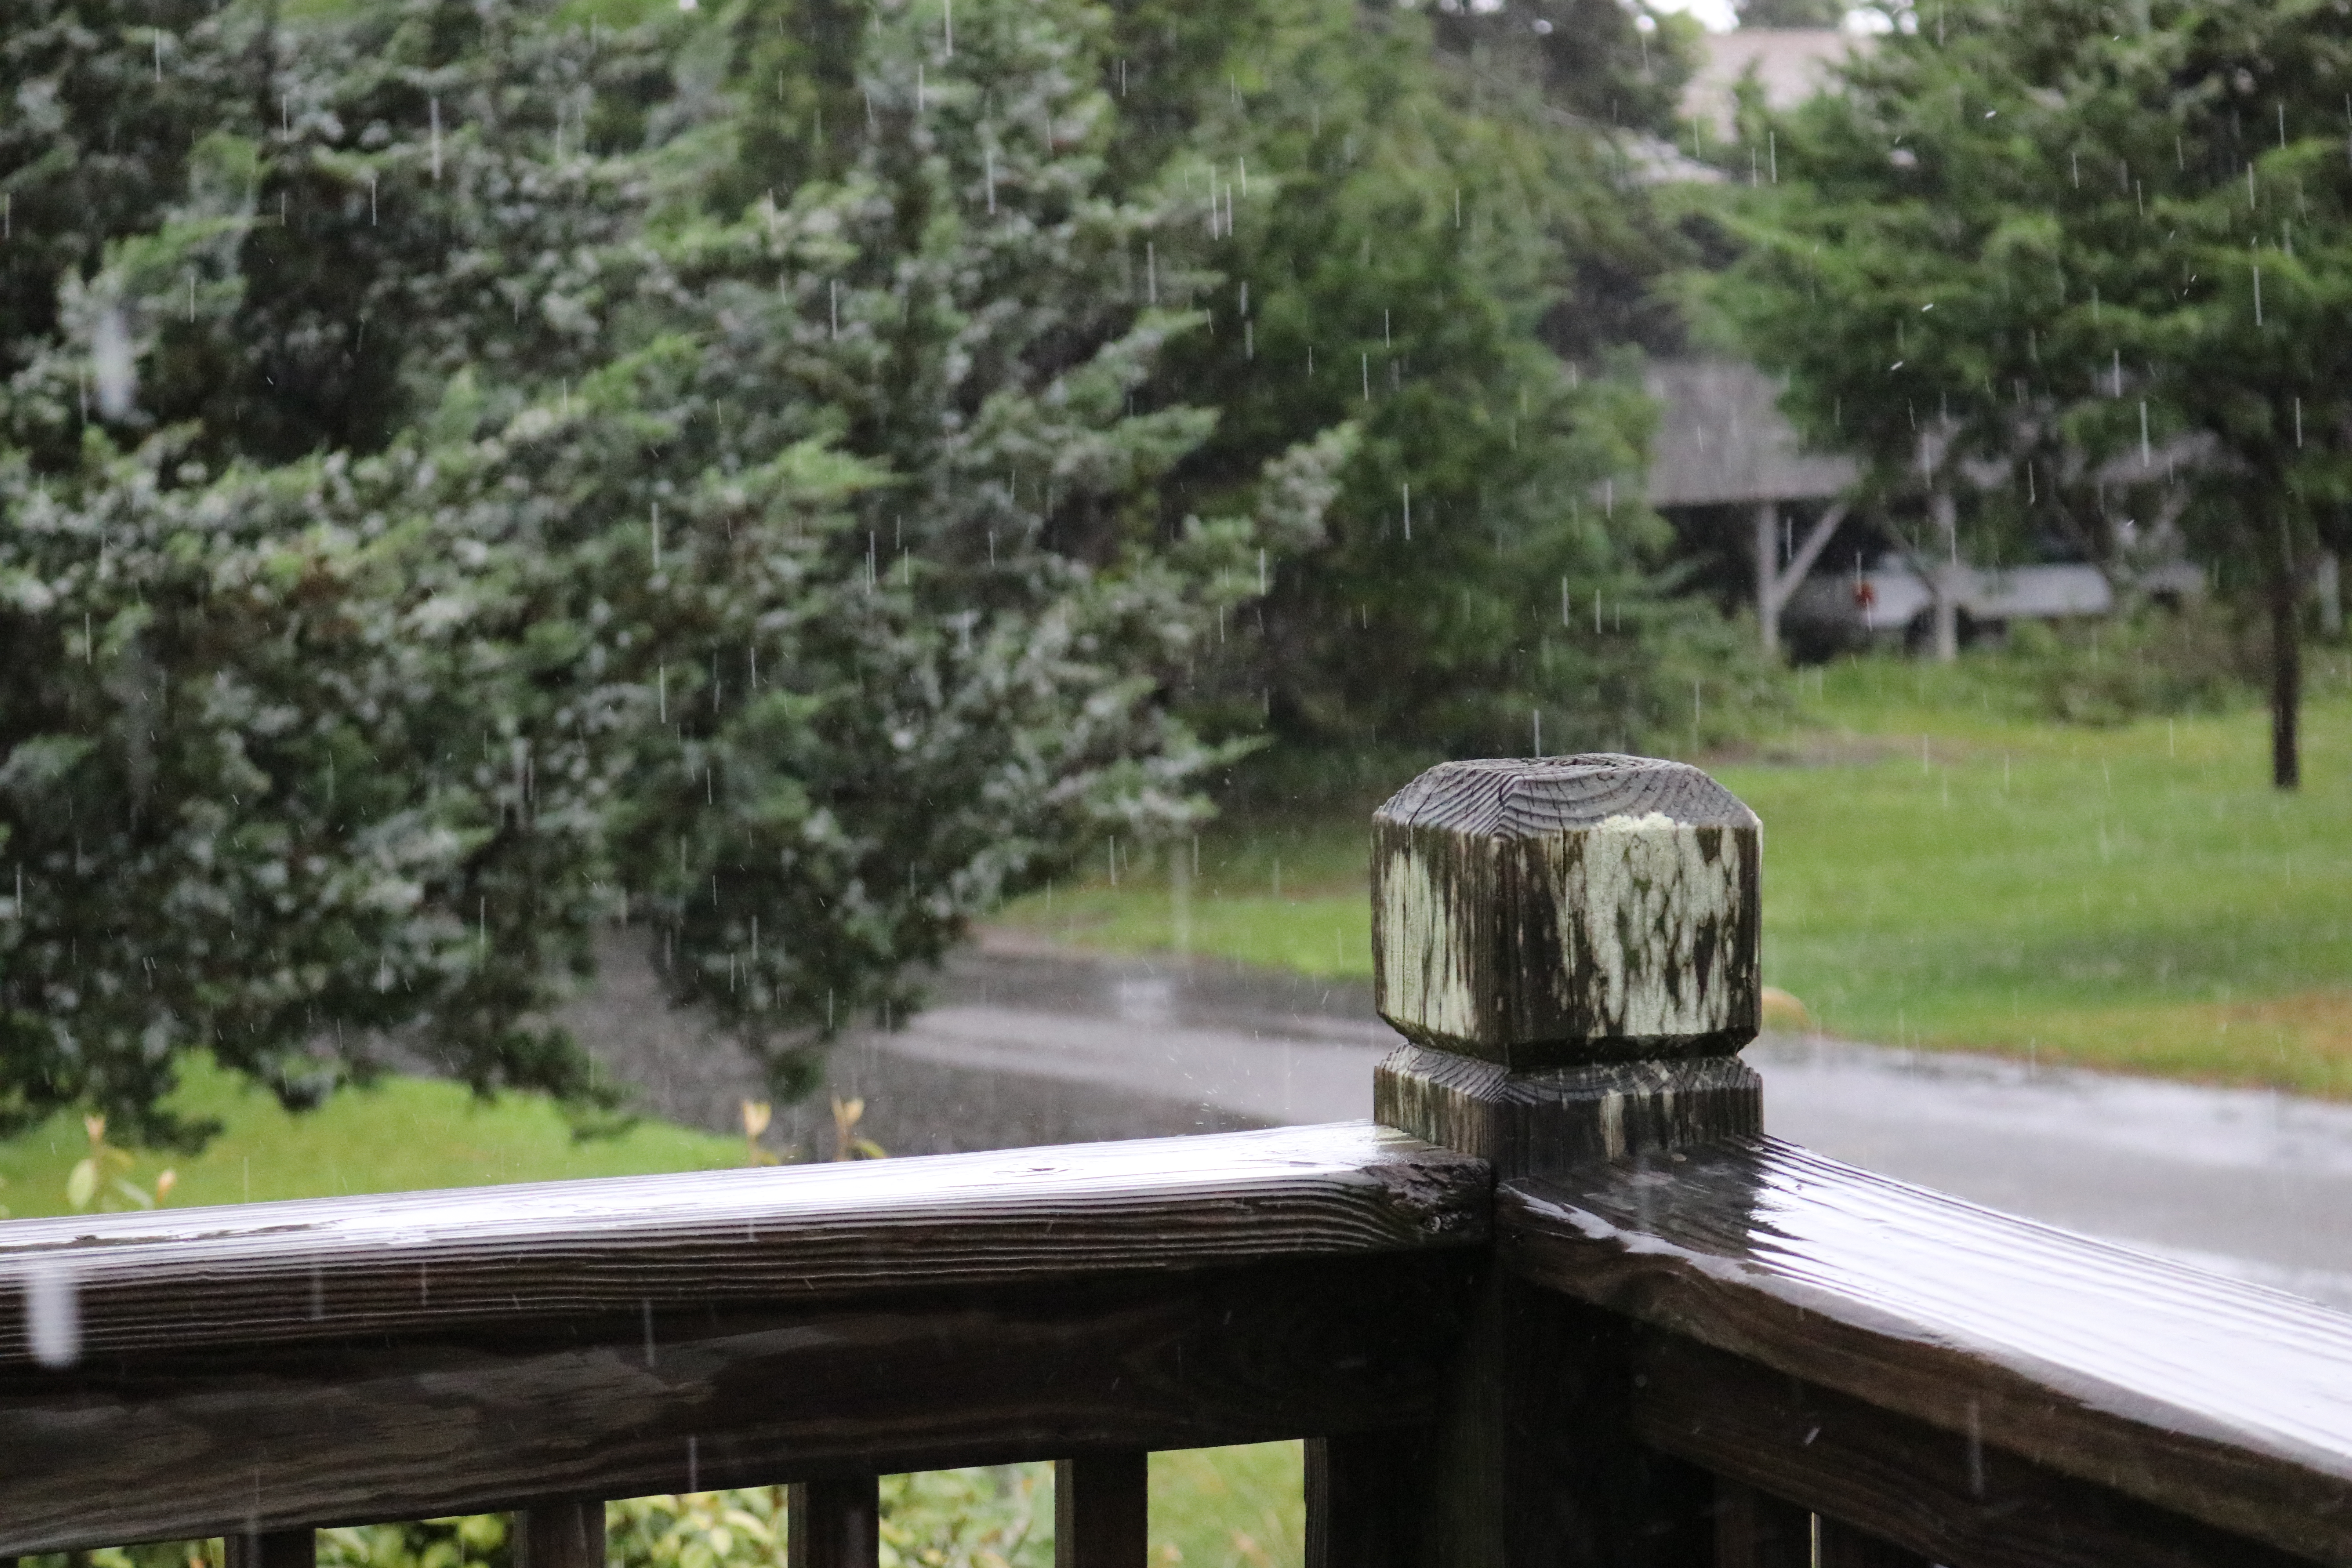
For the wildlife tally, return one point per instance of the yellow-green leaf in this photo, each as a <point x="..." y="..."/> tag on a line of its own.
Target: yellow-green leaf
<point x="82" y="1185"/>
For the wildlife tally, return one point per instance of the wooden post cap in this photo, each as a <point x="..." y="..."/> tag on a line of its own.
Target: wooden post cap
<point x="1564" y="910"/>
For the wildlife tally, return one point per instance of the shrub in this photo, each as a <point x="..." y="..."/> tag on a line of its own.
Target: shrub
<point x="2199" y="658"/>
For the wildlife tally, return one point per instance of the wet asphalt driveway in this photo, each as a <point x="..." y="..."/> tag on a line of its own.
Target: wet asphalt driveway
<point x="1024" y="1047"/>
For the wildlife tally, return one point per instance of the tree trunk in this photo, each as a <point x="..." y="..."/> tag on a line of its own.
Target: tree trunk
<point x="2286" y="677"/>
<point x="1944" y="582"/>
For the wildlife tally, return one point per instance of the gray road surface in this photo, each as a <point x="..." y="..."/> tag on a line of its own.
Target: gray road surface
<point x="1036" y="1046"/>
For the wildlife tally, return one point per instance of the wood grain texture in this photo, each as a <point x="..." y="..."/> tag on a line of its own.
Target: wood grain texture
<point x="566" y="1534"/>
<point x="1550" y="1119"/>
<point x="443" y="1262"/>
<point x="1566" y="909"/>
<point x="2225" y="1402"/>
<point x="1899" y="1484"/>
<point x="835" y="1523"/>
<point x="1102" y="1510"/>
<point x="165" y="1447"/>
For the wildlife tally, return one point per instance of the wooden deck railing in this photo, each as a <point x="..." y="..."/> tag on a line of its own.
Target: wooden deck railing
<point x="1568" y="1306"/>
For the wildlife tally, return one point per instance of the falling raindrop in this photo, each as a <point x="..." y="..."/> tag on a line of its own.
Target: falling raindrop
<point x="52" y="1314"/>
<point x="113" y="363"/>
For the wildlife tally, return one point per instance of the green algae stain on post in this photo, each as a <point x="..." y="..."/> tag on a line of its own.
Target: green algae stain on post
<point x="1568" y="911"/>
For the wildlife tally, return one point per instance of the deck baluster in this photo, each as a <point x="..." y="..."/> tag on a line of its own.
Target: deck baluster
<point x="1101" y="1510"/>
<point x="834" y="1524"/>
<point x="272" y="1549"/>
<point x="569" y="1535"/>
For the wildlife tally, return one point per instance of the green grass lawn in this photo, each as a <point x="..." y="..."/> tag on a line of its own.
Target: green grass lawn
<point x="1937" y="873"/>
<point x="403" y="1134"/>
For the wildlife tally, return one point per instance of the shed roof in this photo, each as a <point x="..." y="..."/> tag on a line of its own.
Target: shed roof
<point x="1721" y="438"/>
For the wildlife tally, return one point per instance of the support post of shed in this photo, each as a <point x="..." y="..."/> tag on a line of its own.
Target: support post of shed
<point x="1767" y="576"/>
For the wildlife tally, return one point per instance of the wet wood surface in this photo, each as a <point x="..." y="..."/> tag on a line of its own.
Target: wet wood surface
<point x="443" y="1262"/>
<point x="1891" y="1488"/>
<point x="1556" y="910"/>
<point x="1551" y="1118"/>
<point x="496" y="1416"/>
<point x="2224" y="1402"/>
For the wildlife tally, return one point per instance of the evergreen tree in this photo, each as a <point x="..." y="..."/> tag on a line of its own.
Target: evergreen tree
<point x="2099" y="250"/>
<point x="597" y="622"/>
<point x="1400" y="239"/>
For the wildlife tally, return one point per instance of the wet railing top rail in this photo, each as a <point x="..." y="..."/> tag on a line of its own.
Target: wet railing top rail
<point x="2224" y="1400"/>
<point x="434" y="1261"/>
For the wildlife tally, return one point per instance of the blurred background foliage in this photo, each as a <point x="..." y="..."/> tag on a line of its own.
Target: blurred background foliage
<point x="781" y="476"/>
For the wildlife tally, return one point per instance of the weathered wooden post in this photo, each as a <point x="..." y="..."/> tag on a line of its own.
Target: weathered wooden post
<point x="1569" y="947"/>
